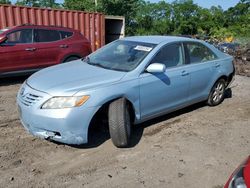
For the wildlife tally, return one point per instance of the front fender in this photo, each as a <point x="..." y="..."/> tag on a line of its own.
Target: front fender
<point x="106" y="94"/>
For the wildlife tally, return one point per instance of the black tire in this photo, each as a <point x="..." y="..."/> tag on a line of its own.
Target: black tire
<point x="119" y="123"/>
<point x="217" y="93"/>
<point x="71" y="59"/>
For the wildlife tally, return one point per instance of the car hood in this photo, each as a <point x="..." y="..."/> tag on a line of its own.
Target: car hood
<point x="69" y="78"/>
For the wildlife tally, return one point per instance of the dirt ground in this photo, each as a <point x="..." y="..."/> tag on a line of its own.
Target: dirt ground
<point x="196" y="147"/>
<point x="242" y="67"/>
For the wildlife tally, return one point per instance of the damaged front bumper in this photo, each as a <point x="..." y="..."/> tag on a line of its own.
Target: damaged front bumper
<point x="69" y="125"/>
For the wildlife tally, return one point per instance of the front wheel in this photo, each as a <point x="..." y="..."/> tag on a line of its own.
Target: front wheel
<point x="217" y="93"/>
<point x="119" y="123"/>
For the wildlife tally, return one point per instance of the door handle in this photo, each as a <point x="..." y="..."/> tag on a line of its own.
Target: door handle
<point x="30" y="49"/>
<point x="217" y="65"/>
<point x="184" y="73"/>
<point x="63" y="46"/>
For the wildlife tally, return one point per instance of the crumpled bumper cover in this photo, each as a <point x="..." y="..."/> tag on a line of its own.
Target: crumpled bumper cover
<point x="71" y="129"/>
<point x="69" y="126"/>
<point x="66" y="137"/>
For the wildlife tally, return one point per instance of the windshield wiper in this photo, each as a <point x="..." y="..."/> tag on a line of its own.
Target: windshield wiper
<point x="98" y="65"/>
<point x="86" y="59"/>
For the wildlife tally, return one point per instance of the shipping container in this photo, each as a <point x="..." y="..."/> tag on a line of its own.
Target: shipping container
<point x="114" y="28"/>
<point x="96" y="27"/>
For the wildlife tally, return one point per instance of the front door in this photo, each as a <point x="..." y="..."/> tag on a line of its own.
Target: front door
<point x="164" y="92"/>
<point x="17" y="53"/>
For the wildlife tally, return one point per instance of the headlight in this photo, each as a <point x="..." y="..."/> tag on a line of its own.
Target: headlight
<point x="64" y="102"/>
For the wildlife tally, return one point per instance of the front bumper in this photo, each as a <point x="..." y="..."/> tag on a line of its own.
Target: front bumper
<point x="68" y="125"/>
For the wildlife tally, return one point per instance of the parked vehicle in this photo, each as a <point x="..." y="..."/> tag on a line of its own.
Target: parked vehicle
<point x="240" y="177"/>
<point x="229" y="48"/>
<point x="28" y="48"/>
<point x="132" y="80"/>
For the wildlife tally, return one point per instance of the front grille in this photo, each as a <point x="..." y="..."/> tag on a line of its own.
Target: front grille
<point x="30" y="99"/>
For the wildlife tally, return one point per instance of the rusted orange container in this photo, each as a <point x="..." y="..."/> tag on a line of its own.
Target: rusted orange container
<point x="91" y="25"/>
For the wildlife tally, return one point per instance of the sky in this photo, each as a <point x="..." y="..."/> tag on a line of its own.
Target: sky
<point x="225" y="4"/>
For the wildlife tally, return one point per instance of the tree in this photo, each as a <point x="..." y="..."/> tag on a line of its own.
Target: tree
<point x="126" y="8"/>
<point x="39" y="3"/>
<point x="86" y="5"/>
<point x="153" y="18"/>
<point x="238" y="18"/>
<point x="5" y="2"/>
<point x="179" y="17"/>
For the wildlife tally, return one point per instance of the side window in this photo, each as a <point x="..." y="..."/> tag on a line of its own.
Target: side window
<point x="198" y="53"/>
<point x="65" y="34"/>
<point x="42" y="35"/>
<point x="170" y="55"/>
<point x="20" y="37"/>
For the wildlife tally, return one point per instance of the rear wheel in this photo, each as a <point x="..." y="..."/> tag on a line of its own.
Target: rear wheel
<point x="71" y="59"/>
<point x="119" y="123"/>
<point x="217" y="93"/>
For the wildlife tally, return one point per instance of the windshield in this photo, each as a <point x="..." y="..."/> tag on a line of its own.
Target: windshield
<point x="120" y="55"/>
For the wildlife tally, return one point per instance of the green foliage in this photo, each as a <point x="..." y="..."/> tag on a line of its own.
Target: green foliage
<point x="5" y="2"/>
<point x="86" y="5"/>
<point x="222" y="33"/>
<point x="162" y="18"/>
<point x="186" y="18"/>
<point x="126" y="8"/>
<point x="39" y="3"/>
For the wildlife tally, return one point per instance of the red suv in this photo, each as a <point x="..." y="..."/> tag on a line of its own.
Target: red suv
<point x="28" y="48"/>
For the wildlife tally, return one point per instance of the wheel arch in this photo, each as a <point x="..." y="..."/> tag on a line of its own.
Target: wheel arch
<point x="70" y="55"/>
<point x="104" y="106"/>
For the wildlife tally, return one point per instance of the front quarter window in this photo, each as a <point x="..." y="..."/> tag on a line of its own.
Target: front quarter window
<point x="120" y="55"/>
<point x="170" y="55"/>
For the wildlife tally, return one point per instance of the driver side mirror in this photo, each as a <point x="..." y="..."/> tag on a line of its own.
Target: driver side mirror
<point x="3" y="39"/>
<point x="156" y="68"/>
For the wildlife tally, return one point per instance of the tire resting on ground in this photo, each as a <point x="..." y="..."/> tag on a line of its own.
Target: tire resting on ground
<point x="210" y="100"/>
<point x="119" y="123"/>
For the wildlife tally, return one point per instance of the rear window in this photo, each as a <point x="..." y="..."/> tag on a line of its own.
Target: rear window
<point x="198" y="53"/>
<point x="65" y="34"/>
<point x="42" y="35"/>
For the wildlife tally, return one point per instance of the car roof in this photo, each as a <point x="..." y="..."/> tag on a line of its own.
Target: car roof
<point x="41" y="27"/>
<point x="153" y="39"/>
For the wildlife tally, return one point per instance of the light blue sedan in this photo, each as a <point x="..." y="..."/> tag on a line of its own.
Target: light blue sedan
<point x="130" y="81"/>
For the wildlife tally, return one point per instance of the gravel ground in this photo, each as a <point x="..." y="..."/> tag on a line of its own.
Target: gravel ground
<point x="199" y="146"/>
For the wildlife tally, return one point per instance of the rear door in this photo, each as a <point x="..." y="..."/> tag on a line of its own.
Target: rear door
<point x="202" y="65"/>
<point x="17" y="53"/>
<point x="47" y="44"/>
